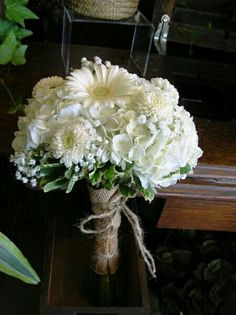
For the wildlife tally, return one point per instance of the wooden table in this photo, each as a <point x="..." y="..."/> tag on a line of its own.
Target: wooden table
<point x="206" y="200"/>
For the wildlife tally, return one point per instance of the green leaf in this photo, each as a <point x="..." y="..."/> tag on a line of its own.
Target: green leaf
<point x="149" y="193"/>
<point x="69" y="172"/>
<point x="126" y="190"/>
<point x="129" y="166"/>
<point x="22" y="2"/>
<point x="18" y="55"/>
<point x="18" y="107"/>
<point x="21" y="33"/>
<point x="70" y="185"/>
<point x="48" y="169"/>
<point x="59" y="183"/>
<point x="13" y="263"/>
<point x="7" y="48"/>
<point x="108" y="185"/>
<point x="110" y="173"/>
<point x="96" y="176"/>
<point x="18" y="12"/>
<point x="5" y="27"/>
<point x="186" y="169"/>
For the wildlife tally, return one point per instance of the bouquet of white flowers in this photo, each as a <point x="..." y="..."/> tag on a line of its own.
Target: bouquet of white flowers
<point x="119" y="132"/>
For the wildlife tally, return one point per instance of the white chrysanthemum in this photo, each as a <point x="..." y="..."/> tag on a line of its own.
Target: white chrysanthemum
<point x="154" y="104"/>
<point x="103" y="86"/>
<point x="72" y="142"/>
<point x="44" y="86"/>
<point x="166" y="87"/>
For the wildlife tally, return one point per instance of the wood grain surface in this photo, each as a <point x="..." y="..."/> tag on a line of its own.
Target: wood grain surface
<point x="179" y="213"/>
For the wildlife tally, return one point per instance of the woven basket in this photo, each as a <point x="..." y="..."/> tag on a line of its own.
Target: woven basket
<point x="104" y="9"/>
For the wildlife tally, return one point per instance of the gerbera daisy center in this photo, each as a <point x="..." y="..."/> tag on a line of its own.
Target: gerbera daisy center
<point x="100" y="91"/>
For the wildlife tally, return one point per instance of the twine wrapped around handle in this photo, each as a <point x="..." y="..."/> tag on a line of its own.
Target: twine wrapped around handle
<point x="107" y="206"/>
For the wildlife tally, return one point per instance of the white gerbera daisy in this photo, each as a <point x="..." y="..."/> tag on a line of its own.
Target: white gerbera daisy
<point x="44" y="86"/>
<point x="72" y="142"/>
<point x="102" y="86"/>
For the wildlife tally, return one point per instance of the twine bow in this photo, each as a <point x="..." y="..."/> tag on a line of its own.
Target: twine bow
<point x="115" y="205"/>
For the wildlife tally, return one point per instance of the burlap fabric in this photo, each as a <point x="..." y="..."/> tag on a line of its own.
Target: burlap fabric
<point x="107" y="206"/>
<point x="108" y="203"/>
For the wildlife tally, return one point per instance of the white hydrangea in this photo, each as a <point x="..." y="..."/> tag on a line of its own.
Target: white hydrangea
<point x="41" y="111"/>
<point x="157" y="153"/>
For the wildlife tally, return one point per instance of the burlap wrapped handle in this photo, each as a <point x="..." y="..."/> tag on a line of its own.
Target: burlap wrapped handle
<point x="107" y="206"/>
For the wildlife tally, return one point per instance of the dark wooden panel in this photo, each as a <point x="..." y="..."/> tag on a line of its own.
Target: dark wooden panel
<point x="219" y="144"/>
<point x="201" y="125"/>
<point x="67" y="272"/>
<point x="181" y="213"/>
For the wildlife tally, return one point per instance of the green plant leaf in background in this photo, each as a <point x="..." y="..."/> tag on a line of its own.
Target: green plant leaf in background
<point x="17" y="11"/>
<point x="13" y="263"/>
<point x="17" y="107"/>
<point x="18" y="55"/>
<point x="5" y="27"/>
<point x="7" y="47"/>
<point x="21" y="33"/>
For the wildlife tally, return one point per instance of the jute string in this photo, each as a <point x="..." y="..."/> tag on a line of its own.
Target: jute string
<point x="107" y="206"/>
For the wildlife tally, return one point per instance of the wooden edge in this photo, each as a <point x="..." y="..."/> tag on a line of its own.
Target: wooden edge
<point x="207" y="182"/>
<point x="214" y="171"/>
<point x="205" y="192"/>
<point x="98" y="310"/>
<point x="201" y="215"/>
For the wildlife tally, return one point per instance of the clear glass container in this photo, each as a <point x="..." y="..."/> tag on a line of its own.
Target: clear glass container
<point x="139" y="26"/>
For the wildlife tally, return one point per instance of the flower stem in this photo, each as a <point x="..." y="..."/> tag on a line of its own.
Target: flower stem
<point x="8" y="92"/>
